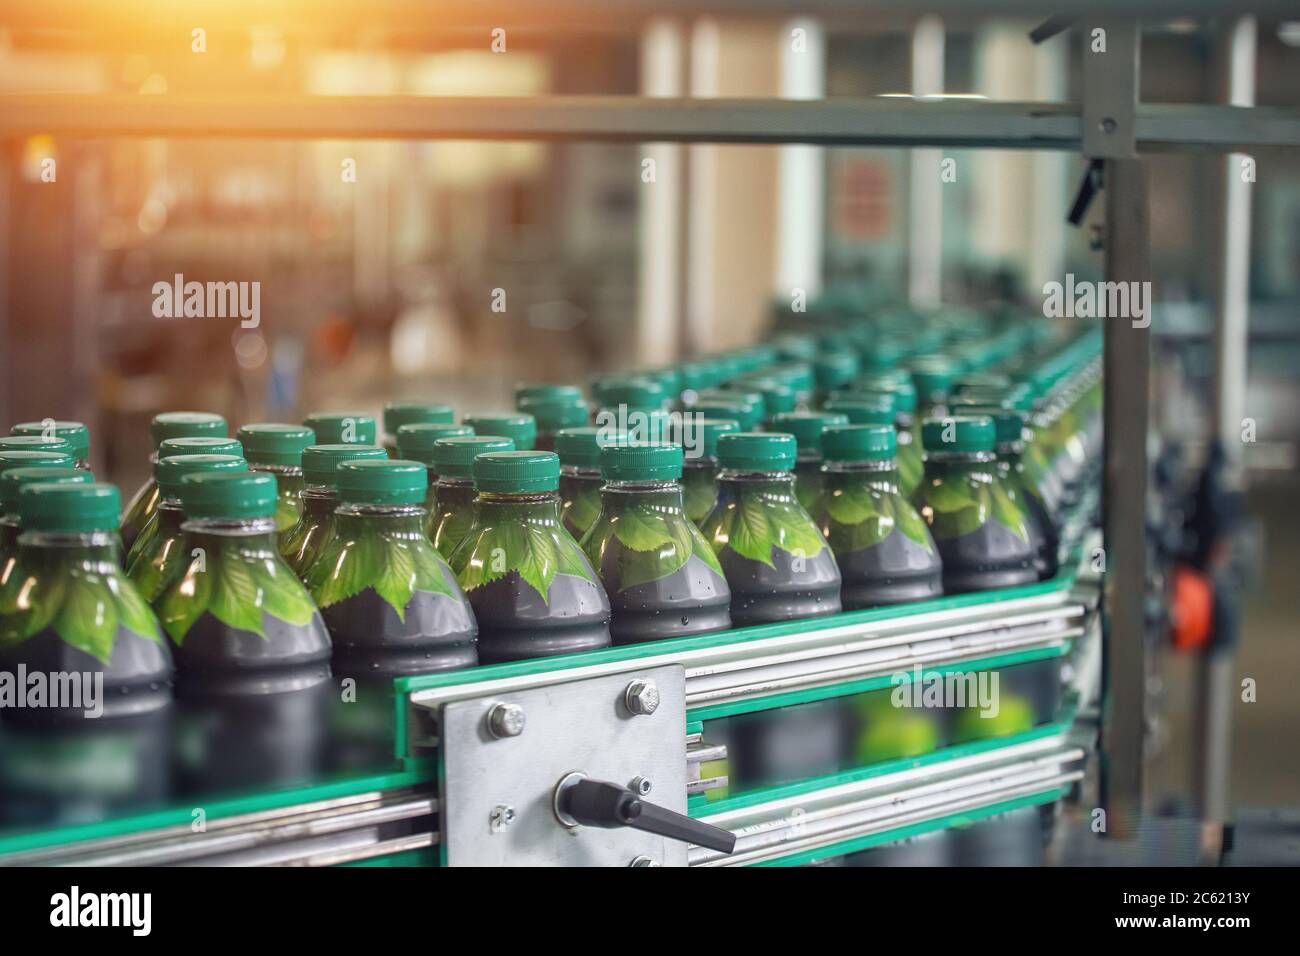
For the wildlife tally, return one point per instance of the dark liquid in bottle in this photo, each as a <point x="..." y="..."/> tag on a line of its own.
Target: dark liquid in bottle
<point x="987" y="558"/>
<point x="371" y="642"/>
<point x="691" y="600"/>
<point x="255" y="707"/>
<point x="516" y="624"/>
<point x="894" y="571"/>
<point x="762" y="594"/>
<point x="57" y="765"/>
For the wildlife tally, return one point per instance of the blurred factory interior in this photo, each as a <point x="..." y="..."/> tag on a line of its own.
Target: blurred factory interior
<point x="452" y="270"/>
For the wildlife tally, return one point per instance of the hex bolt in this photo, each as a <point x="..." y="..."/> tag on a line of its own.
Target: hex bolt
<point x="505" y="720"/>
<point x="643" y="861"/>
<point x="640" y="785"/>
<point x="641" y="697"/>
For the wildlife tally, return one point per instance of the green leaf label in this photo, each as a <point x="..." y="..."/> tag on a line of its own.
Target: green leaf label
<point x="394" y="563"/>
<point x="1006" y="510"/>
<point x="236" y="585"/>
<point x="759" y="520"/>
<point x="862" y="516"/>
<point x="536" y="550"/>
<point x="581" y="511"/>
<point x="84" y="605"/>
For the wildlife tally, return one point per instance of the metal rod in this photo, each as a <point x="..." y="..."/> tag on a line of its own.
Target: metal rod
<point x="1127" y="372"/>
<point x="880" y="121"/>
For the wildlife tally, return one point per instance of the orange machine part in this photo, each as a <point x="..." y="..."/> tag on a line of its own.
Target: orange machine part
<point x="1192" y="608"/>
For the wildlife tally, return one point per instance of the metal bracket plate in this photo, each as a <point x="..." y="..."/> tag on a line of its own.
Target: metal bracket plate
<point x="1110" y="88"/>
<point x="497" y="794"/>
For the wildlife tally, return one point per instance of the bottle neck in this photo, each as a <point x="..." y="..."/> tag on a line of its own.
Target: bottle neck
<point x="387" y="518"/>
<point x="254" y="533"/>
<point x="455" y="491"/>
<point x="842" y="474"/>
<point x="92" y="549"/>
<point x="170" y="514"/>
<point x="664" y="497"/>
<point x="733" y="482"/>
<point x="943" y="462"/>
<point x="319" y="501"/>
<point x="537" y="508"/>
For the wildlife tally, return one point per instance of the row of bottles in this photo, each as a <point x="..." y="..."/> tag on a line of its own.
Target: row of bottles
<point x="801" y="483"/>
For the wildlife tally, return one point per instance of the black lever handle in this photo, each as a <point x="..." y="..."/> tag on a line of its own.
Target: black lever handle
<point x="599" y="803"/>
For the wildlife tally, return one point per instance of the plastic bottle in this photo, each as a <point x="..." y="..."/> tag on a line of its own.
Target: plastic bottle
<point x="662" y="577"/>
<point x="533" y="591"/>
<point x="883" y="548"/>
<point x="773" y="554"/>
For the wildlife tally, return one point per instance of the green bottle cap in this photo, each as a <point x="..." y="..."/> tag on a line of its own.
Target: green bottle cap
<point x="228" y="494"/>
<point x="859" y="443"/>
<point x="342" y="428"/>
<point x="705" y="431"/>
<point x="737" y="411"/>
<point x="74" y="508"/>
<point x="807" y="427"/>
<point x="933" y="377"/>
<point x="74" y="433"/>
<point x="864" y="408"/>
<point x="669" y="379"/>
<point x="1008" y="422"/>
<point x="519" y="427"/>
<point x="397" y="414"/>
<point x="320" y="463"/>
<point x="580" y="447"/>
<point x="738" y="391"/>
<point x="641" y="461"/>
<point x="797" y="375"/>
<point x="699" y="375"/>
<point x="38" y="443"/>
<point x="375" y="482"/>
<point x="555" y="393"/>
<point x="175" y="467"/>
<point x="186" y="425"/>
<point x="963" y="434"/>
<point x="757" y="451"/>
<point x="903" y="390"/>
<point x="633" y="391"/>
<point x="200" y="446"/>
<point x="517" y="472"/>
<point x="883" y="355"/>
<point x="454" y="457"/>
<point x="552" y="414"/>
<point x="643" y="424"/>
<point x="416" y="441"/>
<point x="777" y="396"/>
<point x="795" y="346"/>
<point x="15" y="479"/>
<point x="27" y="458"/>
<point x="1020" y="396"/>
<point x="272" y="443"/>
<point x="835" y="369"/>
<point x="983" y="382"/>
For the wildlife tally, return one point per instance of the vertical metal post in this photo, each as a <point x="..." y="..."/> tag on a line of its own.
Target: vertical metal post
<point x="1127" y="374"/>
<point x="660" y="286"/>
<point x="1214" y="685"/>
<point x="801" y="183"/>
<point x="1109" y="103"/>
<point x="925" y="233"/>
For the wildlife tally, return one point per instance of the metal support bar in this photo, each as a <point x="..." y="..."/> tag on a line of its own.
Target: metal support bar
<point x="1110" y="88"/>
<point x="880" y="121"/>
<point x="1127" y="371"/>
